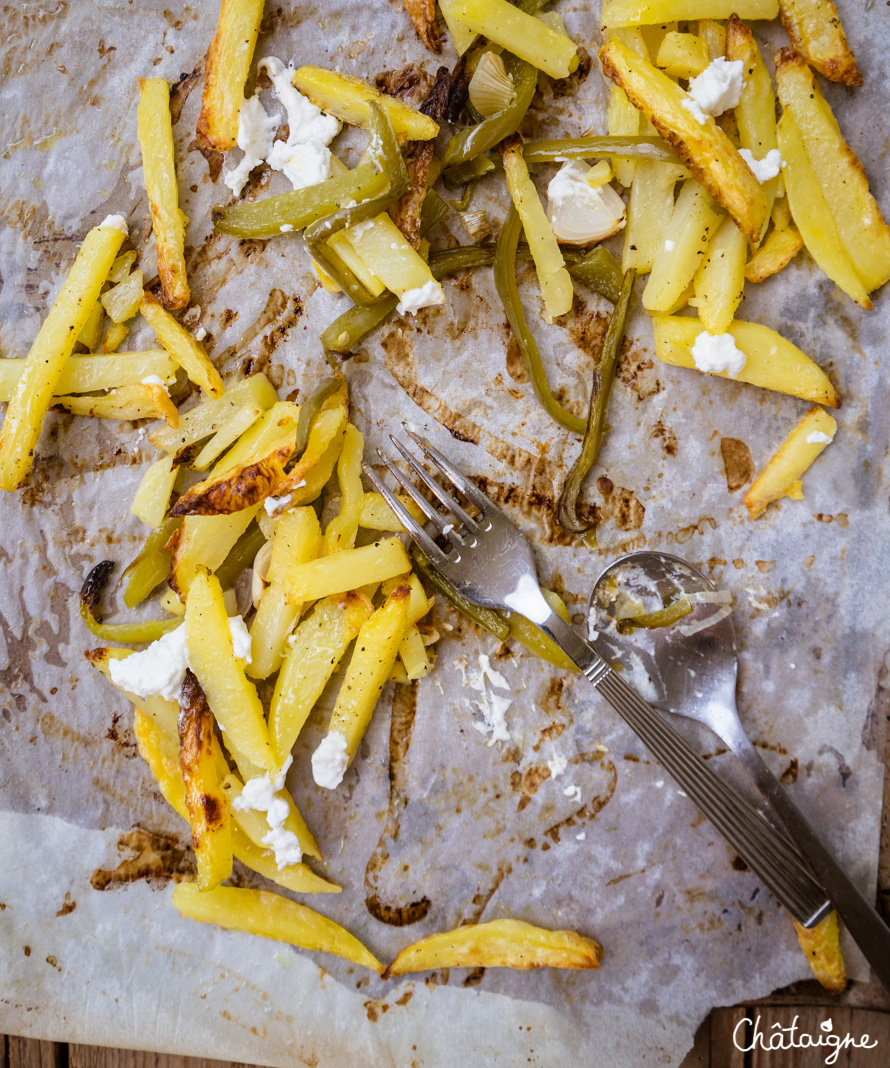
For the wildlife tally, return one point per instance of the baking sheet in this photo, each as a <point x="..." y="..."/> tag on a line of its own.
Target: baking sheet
<point x="432" y="826"/>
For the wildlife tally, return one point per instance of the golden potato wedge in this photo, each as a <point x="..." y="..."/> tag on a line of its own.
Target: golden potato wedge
<point x="203" y="541"/>
<point x="154" y="127"/>
<point x="376" y="514"/>
<point x="126" y="402"/>
<point x="707" y="151"/>
<point x="187" y="352"/>
<point x="713" y="33"/>
<point x="211" y="414"/>
<point x="53" y="345"/>
<point x="498" y="944"/>
<point x="389" y="256"/>
<point x="315" y="465"/>
<point x="651" y="12"/>
<point x="91" y="331"/>
<point x="205" y="799"/>
<point x="272" y="916"/>
<point x="772" y="362"/>
<point x="781" y="476"/>
<point x="822" y="948"/>
<point x="249" y="483"/>
<point x="815" y="29"/>
<point x="426" y="25"/>
<point x="776" y="252"/>
<point x="225" y="72"/>
<point x="413" y="654"/>
<point x="720" y="279"/>
<point x="299" y="878"/>
<point x="518" y="32"/>
<point x="115" y="336"/>
<point x="231" y="696"/>
<point x="622" y="118"/>
<point x="121" y="302"/>
<point x="153" y="495"/>
<point x="347" y="570"/>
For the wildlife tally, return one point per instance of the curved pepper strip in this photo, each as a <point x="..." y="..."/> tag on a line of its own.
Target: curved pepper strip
<point x="90" y="592"/>
<point x="603" y="377"/>
<point x="564" y="149"/>
<point x="485" y="617"/>
<point x="661" y="617"/>
<point x="309" y="410"/>
<point x="241" y="556"/>
<point x="599" y="271"/>
<point x="508" y="291"/>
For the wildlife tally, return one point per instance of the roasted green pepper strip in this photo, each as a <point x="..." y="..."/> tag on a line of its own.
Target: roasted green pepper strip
<point x="242" y="555"/>
<point x="564" y="149"/>
<point x="464" y="173"/>
<point x="91" y="591"/>
<point x="433" y="210"/>
<point x="151" y="566"/>
<point x="478" y="139"/>
<point x="309" y="410"/>
<point x="483" y="616"/>
<point x="537" y="642"/>
<point x="508" y="291"/>
<point x="599" y="271"/>
<point x="603" y="377"/>
<point x="662" y="617"/>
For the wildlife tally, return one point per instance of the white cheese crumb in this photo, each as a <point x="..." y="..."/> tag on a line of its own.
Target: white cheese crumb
<point x="329" y="761"/>
<point x="573" y="793"/>
<point x="285" y="228"/>
<point x="303" y="164"/>
<point x="360" y="228"/>
<point x="155" y="380"/>
<point x="766" y="168"/>
<point x="240" y="638"/>
<point x="669" y="245"/>
<point x="255" y="130"/>
<point x="718" y="87"/>
<point x="557" y="764"/>
<point x="659" y="783"/>
<point x="580" y="837"/>
<point x="276" y="505"/>
<point x="200" y="334"/>
<point x="424" y="296"/>
<point x="116" y="222"/>
<point x="693" y="105"/>
<point x="716" y="353"/>
<point x="818" y="438"/>
<point x="260" y="794"/>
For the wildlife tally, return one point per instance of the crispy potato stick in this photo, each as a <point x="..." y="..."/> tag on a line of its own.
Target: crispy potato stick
<point x="272" y="916"/>
<point x="153" y="495"/>
<point x="498" y="944"/>
<point x="53" y="345"/>
<point x="312" y="656"/>
<point x="375" y="652"/>
<point x="776" y="252"/>
<point x="243" y="486"/>
<point x="187" y="352"/>
<point x="720" y="279"/>
<point x="210" y="415"/>
<point x="412" y="653"/>
<point x="694" y="223"/>
<point x="553" y="278"/>
<point x="347" y="570"/>
<point x="203" y="540"/>
<point x="348" y="98"/>
<point x="205" y="800"/>
<point x="122" y="301"/>
<point x="297" y="539"/>
<point x="815" y="29"/>
<point x="520" y="33"/>
<point x="707" y="151"/>
<point x="211" y="656"/>
<point x="426" y="25"/>
<point x="84" y="374"/>
<point x="782" y="475"/>
<point x="122" y="266"/>
<point x="239" y="423"/>
<point x="649" y="213"/>
<point x="342" y="530"/>
<point x="92" y="329"/>
<point x="822" y="948"/>
<point x="682" y="55"/>
<point x="225" y="72"/>
<point x="154" y="127"/>
<point x="418" y="602"/>
<point x="649" y="12"/>
<point x="125" y="402"/>
<point x="342" y="246"/>
<point x="255" y="825"/>
<point x="151" y="565"/>
<point x="299" y="878"/>
<point x="376" y="514"/>
<point x="622" y="117"/>
<point x="386" y="252"/>
<point x="841" y="177"/>
<point x="772" y="362"/>
<point x="114" y="338"/>
<point x="813" y="216"/>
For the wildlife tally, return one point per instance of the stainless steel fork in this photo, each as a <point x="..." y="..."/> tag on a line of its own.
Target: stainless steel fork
<point x="491" y="563"/>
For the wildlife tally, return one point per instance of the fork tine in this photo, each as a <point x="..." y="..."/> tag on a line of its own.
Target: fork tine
<point x="454" y="476"/>
<point x="407" y="520"/>
<point x="433" y="486"/>
<point x="414" y="493"/>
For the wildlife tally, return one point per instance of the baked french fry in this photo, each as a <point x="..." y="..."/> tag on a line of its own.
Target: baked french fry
<point x="498" y="944"/>
<point x="85" y="374"/>
<point x="713" y="33"/>
<point x="425" y="22"/>
<point x="122" y="301"/>
<point x="822" y="948"/>
<point x="343" y="247"/>
<point x="92" y="330"/>
<point x="384" y="250"/>
<point x="205" y="800"/>
<point x="212" y="414"/>
<point x="272" y="916"/>
<point x="707" y="151"/>
<point x="154" y="127"/>
<point x="348" y="98"/>
<point x="211" y="656"/>
<point x="815" y="29"/>
<point x="347" y="570"/>
<point x="312" y="656"/>
<point x="255" y="825"/>
<point x="343" y="528"/>
<point x="53" y="345"/>
<point x="782" y="475"/>
<point x="777" y="251"/>
<point x="649" y="213"/>
<point x="241" y="420"/>
<point x="141" y="401"/>
<point x="225" y="72"/>
<point x="652" y="12"/>
<point x="622" y="118"/>
<point x="841" y="176"/>
<point x="772" y="362"/>
<point x="240" y="487"/>
<point x="187" y="352"/>
<point x="376" y="514"/>
<point x="682" y="55"/>
<point x="307" y="477"/>
<point x="412" y="653"/>
<point x="297" y="539"/>
<point x="163" y="714"/>
<point x="720" y="279"/>
<point x="153" y="495"/>
<point x="203" y="540"/>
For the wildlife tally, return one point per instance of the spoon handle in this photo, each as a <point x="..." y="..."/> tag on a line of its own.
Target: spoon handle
<point x="861" y="918"/>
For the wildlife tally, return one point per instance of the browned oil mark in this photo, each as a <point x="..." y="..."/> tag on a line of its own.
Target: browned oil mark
<point x="620" y="504"/>
<point x="375" y="1009"/>
<point x="841" y="518"/>
<point x="181" y="90"/>
<point x="157" y="858"/>
<point x="515" y="363"/>
<point x="738" y="464"/>
<point x="475" y="977"/>
<point x="568" y="86"/>
<point x="68" y="906"/>
<point x="637" y="371"/>
<point x="214" y="159"/>
<point x="481" y="898"/>
<point x="588" y="329"/>
<point x="590" y="809"/>
<point x="551" y="733"/>
<point x="685" y="533"/>
<point x="410" y="83"/>
<point x="527" y="783"/>
<point x="764" y="566"/>
<point x="627" y="875"/>
<point x="284" y="312"/>
<point x="664" y="434"/>
<point x="739" y="864"/>
<point x="789" y="775"/>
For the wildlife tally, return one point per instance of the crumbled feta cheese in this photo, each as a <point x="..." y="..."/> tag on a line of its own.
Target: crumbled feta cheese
<point x="361" y="228"/>
<point x="424" y="296"/>
<point x="573" y="793"/>
<point x="669" y="245"/>
<point x="116" y="222"/>
<point x="716" y="353"/>
<point x="766" y="168"/>
<point x="693" y="105"/>
<point x="303" y="164"/>
<point x="285" y="228"/>
<point x="255" y="131"/>
<point x="240" y="638"/>
<point x="557" y="764"/>
<point x="329" y="761"/>
<point x="580" y="837"/>
<point x="276" y="505"/>
<point x="818" y="438"/>
<point x="639" y="677"/>
<point x="260" y="794"/>
<point x="200" y="334"/>
<point x="285" y="845"/>
<point x="155" y="380"/>
<point x="717" y="88"/>
<point x="579" y="212"/>
<point x="659" y="783"/>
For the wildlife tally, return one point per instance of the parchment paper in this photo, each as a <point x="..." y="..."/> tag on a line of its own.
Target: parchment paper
<point x="432" y="826"/>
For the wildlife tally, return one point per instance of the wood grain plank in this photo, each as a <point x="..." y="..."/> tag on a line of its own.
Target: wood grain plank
<point x="876" y="1025"/>
<point x="103" y="1057"/>
<point x="32" y="1053"/>
<point x="4" y="1051"/>
<point x="700" y="1054"/>
<point x="724" y="1054"/>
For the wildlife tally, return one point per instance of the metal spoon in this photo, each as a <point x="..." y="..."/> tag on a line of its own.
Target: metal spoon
<point x="694" y="674"/>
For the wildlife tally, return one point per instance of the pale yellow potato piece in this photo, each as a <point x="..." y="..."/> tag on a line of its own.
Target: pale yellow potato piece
<point x="812" y="214"/>
<point x="225" y="72"/>
<point x="622" y="118"/>
<point x="781" y="476"/>
<point x="413" y="654"/>
<point x="163" y="714"/>
<point x="255" y="825"/>
<point x="204" y="541"/>
<point x="772" y="361"/>
<point x="720" y="279"/>
<point x="682" y="55"/>
<point x="348" y="98"/>
<point x="648" y="213"/>
<point x="241" y="420"/>
<point x="231" y="696"/>
<point x="211" y="414"/>
<point x="376" y="514"/>
<point x="114" y="337"/>
<point x="687" y="238"/>
<point x="153" y="495"/>
<point x="461" y="36"/>
<point x="341" y="244"/>
<point x="187" y="352"/>
<point x="347" y="570"/>
<point x="382" y="247"/>
<point x="498" y="944"/>
<point x="85" y="374"/>
<point x="154" y="127"/>
<point x="822" y="948"/>
<point x="272" y="916"/>
<point x="311" y="472"/>
<point x="815" y="29"/>
<point x="122" y="301"/>
<point x="649" y="12"/>
<point x="343" y="528"/>
<point x="777" y="251"/>
<point x="520" y="33"/>
<point x="125" y="402"/>
<point x="92" y="329"/>
<point x="39" y="379"/>
<point x="713" y="33"/>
